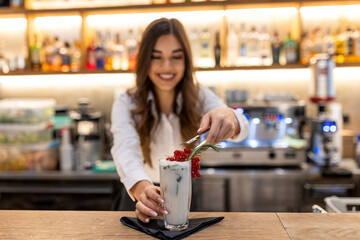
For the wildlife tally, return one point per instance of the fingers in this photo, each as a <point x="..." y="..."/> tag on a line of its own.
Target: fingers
<point x="154" y="194"/>
<point x="142" y="217"/>
<point x="213" y="132"/>
<point x="226" y="131"/>
<point x="154" y="207"/>
<point x="145" y="210"/>
<point x="222" y="125"/>
<point x="205" y="124"/>
<point x="148" y="204"/>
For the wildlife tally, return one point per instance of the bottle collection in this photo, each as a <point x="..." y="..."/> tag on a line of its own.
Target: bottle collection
<point x="123" y="2"/>
<point x="246" y="47"/>
<point x="232" y="42"/>
<point x="113" y="51"/>
<point x="12" y="64"/>
<point x="344" y="44"/>
<point x="252" y="46"/>
<point x="54" y="54"/>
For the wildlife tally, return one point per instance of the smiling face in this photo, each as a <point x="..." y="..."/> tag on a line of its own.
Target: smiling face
<point x="167" y="64"/>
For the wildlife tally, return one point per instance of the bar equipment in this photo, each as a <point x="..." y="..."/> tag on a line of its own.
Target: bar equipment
<point x="88" y="129"/>
<point x="263" y="172"/>
<point x="275" y="136"/>
<point x="325" y="146"/>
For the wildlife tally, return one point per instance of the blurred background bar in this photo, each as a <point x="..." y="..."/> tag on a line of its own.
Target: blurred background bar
<point x="292" y="67"/>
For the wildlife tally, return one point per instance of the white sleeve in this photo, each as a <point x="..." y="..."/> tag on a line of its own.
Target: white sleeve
<point x="211" y="101"/>
<point x="244" y="127"/>
<point x="126" y="150"/>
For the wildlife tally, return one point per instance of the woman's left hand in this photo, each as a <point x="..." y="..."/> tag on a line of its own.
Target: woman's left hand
<point x="223" y="124"/>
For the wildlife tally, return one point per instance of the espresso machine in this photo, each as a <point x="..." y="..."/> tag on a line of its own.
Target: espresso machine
<point x="325" y="145"/>
<point x="275" y="134"/>
<point x="88" y="129"/>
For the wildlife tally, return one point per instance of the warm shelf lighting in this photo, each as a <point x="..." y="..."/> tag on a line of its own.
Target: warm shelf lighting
<point x="13" y="24"/>
<point x="68" y="80"/>
<point x="330" y="11"/>
<point x="268" y="75"/>
<point x="57" y="22"/>
<point x="348" y="73"/>
<point x="136" y="19"/>
<point x="260" y="12"/>
<point x="205" y="77"/>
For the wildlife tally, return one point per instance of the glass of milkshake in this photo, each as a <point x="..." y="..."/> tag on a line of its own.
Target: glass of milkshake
<point x="175" y="184"/>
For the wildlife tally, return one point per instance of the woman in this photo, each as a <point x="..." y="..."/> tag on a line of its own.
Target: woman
<point x="162" y="111"/>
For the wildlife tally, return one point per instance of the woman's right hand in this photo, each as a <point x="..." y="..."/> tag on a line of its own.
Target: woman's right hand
<point x="149" y="200"/>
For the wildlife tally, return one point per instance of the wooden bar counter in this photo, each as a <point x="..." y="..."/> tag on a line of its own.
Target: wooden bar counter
<point x="17" y="224"/>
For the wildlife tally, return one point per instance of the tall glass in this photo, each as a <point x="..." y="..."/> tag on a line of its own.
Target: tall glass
<point x="175" y="184"/>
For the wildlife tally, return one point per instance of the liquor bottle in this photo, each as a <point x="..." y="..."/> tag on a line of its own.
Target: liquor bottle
<point x="217" y="50"/>
<point x="12" y="63"/>
<point x="4" y="66"/>
<point x="65" y="57"/>
<point x="132" y="49"/>
<point x="291" y="49"/>
<point x="306" y="48"/>
<point x="253" y="47"/>
<point x="194" y="42"/>
<point x="76" y="57"/>
<point x="100" y="52"/>
<point x="35" y="55"/>
<point x="329" y="43"/>
<point x="232" y="45"/>
<point x="318" y="41"/>
<point x="56" y="60"/>
<point x="119" y="58"/>
<point x="276" y="47"/>
<point x="243" y="48"/>
<point x="265" y="47"/>
<point x="357" y="44"/>
<point x="108" y="51"/>
<point x="349" y="45"/>
<point x="48" y="55"/>
<point x="21" y="63"/>
<point x="340" y="46"/>
<point x="205" y="50"/>
<point x="91" y="56"/>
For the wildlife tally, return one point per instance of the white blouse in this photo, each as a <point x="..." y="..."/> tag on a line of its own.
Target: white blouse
<point x="166" y="138"/>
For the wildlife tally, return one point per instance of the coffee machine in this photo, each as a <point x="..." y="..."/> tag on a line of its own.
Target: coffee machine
<point x="275" y="134"/>
<point x="88" y="129"/>
<point x="325" y="146"/>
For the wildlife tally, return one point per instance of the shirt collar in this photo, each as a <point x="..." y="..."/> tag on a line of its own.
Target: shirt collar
<point x="151" y="99"/>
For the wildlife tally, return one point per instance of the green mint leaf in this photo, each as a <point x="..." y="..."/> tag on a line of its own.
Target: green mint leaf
<point x="178" y="178"/>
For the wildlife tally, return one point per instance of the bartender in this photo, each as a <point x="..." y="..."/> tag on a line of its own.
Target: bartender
<point x="163" y="110"/>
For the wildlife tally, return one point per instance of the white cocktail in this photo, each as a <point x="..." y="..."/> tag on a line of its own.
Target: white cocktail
<point x="175" y="184"/>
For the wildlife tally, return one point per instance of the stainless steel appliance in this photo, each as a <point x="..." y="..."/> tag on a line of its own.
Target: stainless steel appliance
<point x="88" y="130"/>
<point x="325" y="148"/>
<point x="262" y="173"/>
<point x="322" y="149"/>
<point x="275" y="137"/>
<point x="248" y="189"/>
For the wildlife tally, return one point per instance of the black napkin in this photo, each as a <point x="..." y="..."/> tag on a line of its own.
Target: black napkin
<point x="156" y="227"/>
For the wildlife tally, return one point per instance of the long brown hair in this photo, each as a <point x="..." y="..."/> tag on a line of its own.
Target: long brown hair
<point x="189" y="116"/>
